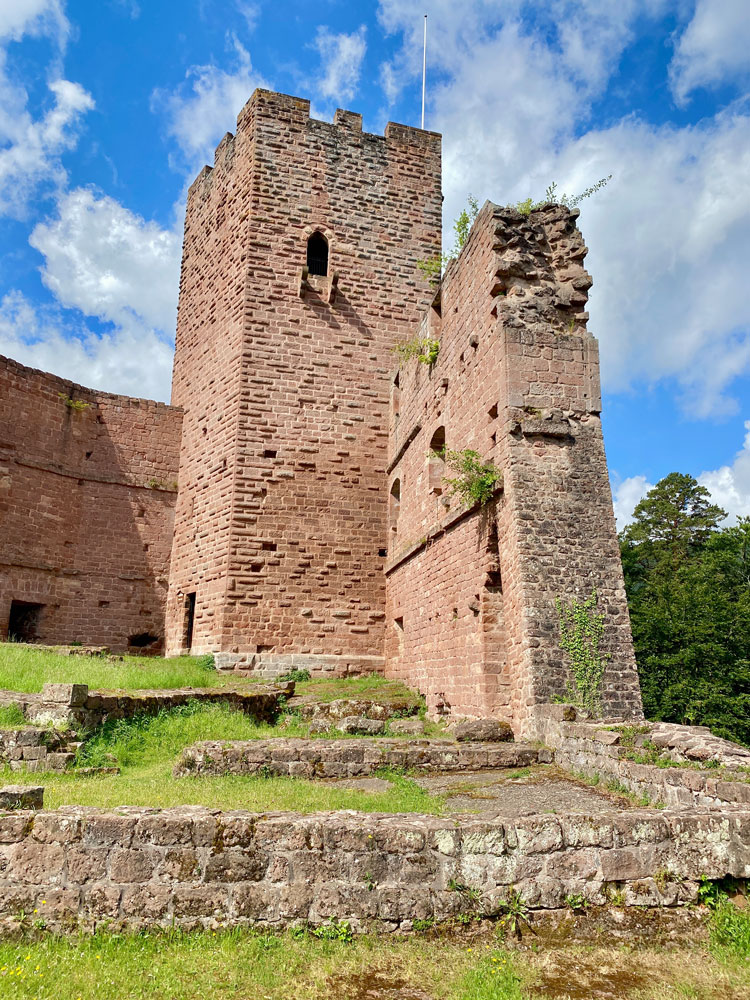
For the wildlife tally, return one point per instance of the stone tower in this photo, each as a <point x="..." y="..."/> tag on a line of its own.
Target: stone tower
<point x="299" y="274"/>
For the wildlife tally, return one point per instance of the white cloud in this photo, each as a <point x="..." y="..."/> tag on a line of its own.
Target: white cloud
<point x="21" y="17"/>
<point x="207" y="105"/>
<point x="713" y="49"/>
<point x="250" y="12"/>
<point x="133" y="360"/>
<point x="626" y="495"/>
<point x="31" y="143"/>
<point x="729" y="487"/>
<point x="668" y="237"/>
<point x="103" y="259"/>
<point x="341" y="56"/>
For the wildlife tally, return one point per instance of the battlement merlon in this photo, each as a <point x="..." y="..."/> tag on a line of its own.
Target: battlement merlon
<point x="295" y="111"/>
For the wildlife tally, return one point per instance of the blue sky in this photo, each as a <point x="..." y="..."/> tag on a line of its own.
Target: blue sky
<point x="108" y="110"/>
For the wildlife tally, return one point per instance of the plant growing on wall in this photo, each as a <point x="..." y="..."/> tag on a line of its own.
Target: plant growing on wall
<point x="551" y="197"/>
<point x="73" y="404"/>
<point x="424" y="349"/>
<point x="581" y="634"/>
<point x="433" y="268"/>
<point x="474" y="480"/>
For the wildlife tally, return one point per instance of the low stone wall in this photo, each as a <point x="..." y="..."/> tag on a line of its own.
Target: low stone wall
<point x="312" y="758"/>
<point x="340" y="708"/>
<point x="32" y="749"/>
<point x="271" y="666"/>
<point x="75" y="705"/>
<point x="715" y="774"/>
<point x="136" y="867"/>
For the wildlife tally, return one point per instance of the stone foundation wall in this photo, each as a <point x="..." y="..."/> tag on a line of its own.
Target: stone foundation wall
<point x="270" y="666"/>
<point x="719" y="777"/>
<point x="306" y="758"/>
<point x="76" y="706"/>
<point x="34" y="750"/>
<point x="189" y="867"/>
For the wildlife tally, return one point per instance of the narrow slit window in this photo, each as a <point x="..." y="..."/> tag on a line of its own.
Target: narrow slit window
<point x="393" y="506"/>
<point x="189" y="620"/>
<point x="436" y="462"/>
<point x="317" y="254"/>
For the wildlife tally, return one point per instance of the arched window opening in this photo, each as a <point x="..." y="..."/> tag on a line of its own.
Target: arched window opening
<point x="317" y="254"/>
<point x="394" y="504"/>
<point x="436" y="462"/>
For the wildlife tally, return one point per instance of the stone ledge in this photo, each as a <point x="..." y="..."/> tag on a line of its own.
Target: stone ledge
<point x="312" y="758"/>
<point x="714" y="781"/>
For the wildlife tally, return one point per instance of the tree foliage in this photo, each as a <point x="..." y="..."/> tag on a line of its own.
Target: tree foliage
<point x="688" y="585"/>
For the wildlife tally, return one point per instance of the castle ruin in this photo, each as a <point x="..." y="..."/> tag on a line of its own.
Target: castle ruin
<point x="311" y="527"/>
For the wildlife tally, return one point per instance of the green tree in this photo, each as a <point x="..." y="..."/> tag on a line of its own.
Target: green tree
<point x="688" y="585"/>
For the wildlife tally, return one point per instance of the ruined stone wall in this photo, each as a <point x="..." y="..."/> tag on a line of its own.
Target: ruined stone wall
<point x="471" y="593"/>
<point x="285" y="383"/>
<point x="87" y="495"/>
<point x="680" y="767"/>
<point x="136" y="867"/>
<point x="444" y="629"/>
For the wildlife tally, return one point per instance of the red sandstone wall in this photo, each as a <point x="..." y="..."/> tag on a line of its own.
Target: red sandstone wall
<point x="86" y="507"/>
<point x="451" y="646"/>
<point x="286" y="560"/>
<point x="516" y="380"/>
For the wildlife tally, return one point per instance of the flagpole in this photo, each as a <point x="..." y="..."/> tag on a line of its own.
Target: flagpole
<point x="424" y="65"/>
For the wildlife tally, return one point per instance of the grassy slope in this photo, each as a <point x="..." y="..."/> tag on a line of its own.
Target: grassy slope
<point x="234" y="964"/>
<point x="24" y="668"/>
<point x="146" y="750"/>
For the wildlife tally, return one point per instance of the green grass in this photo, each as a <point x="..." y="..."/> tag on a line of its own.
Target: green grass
<point x="146" y="749"/>
<point x="241" y="964"/>
<point x="370" y="686"/>
<point x="24" y="668"/>
<point x="11" y="717"/>
<point x="730" y="930"/>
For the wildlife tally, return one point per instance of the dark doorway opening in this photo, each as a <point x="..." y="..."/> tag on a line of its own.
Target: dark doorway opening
<point x="25" y="619"/>
<point x="189" y="619"/>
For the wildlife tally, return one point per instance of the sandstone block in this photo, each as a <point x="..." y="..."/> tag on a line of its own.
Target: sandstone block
<point x="70" y="695"/>
<point x="407" y="727"/>
<point x="21" y="797"/>
<point x="484" y="730"/>
<point x="361" y="726"/>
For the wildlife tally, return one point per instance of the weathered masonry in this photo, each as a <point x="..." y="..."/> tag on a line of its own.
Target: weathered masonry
<point x="299" y="274"/>
<point x="312" y="525"/>
<point x="471" y="592"/>
<point x="87" y="491"/>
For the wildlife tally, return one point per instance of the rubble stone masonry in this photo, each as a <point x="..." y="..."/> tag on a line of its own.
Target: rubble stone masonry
<point x="87" y="490"/>
<point x="281" y="518"/>
<point x="188" y="867"/>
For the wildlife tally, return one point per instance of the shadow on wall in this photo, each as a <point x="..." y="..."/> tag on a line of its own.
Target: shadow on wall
<point x="87" y="493"/>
